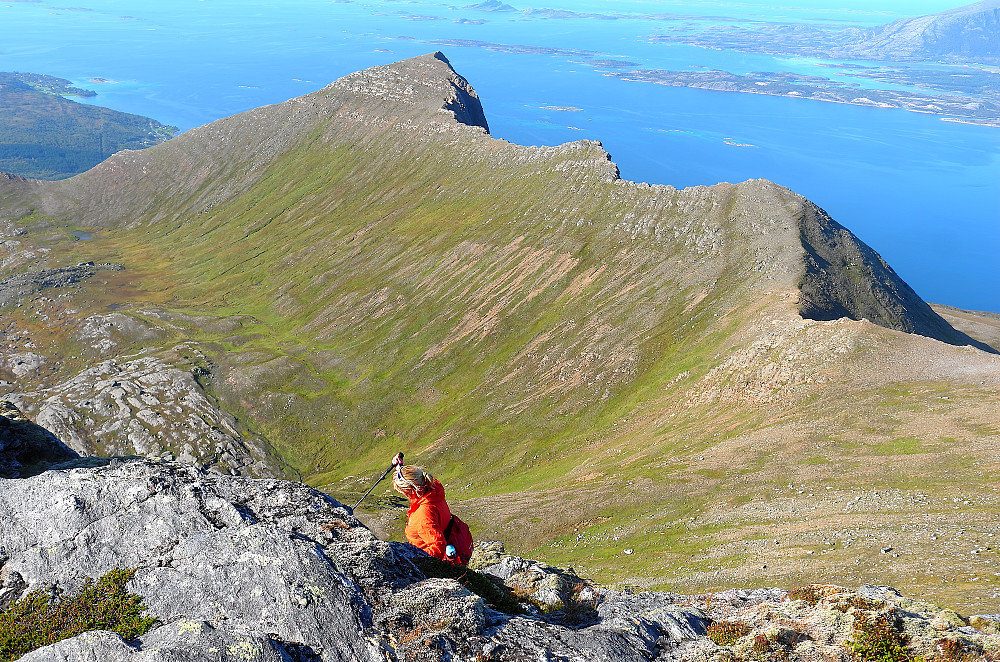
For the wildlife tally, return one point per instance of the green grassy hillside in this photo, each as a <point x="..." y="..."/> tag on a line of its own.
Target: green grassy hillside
<point x="591" y="365"/>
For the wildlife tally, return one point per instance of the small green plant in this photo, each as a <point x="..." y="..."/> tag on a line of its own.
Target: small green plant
<point x="808" y="594"/>
<point x="727" y="633"/>
<point x="40" y="618"/>
<point x="761" y="644"/>
<point x="877" y="638"/>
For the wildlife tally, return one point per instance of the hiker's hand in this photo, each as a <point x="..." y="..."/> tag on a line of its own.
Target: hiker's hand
<point x="398" y="460"/>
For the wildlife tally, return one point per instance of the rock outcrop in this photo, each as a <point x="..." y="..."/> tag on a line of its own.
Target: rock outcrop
<point x="143" y="405"/>
<point x="274" y="570"/>
<point x="420" y="84"/>
<point x="254" y="569"/>
<point x="26" y="448"/>
<point x="20" y="286"/>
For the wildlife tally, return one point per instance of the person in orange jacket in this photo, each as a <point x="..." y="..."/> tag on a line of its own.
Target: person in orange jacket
<point x="429" y="513"/>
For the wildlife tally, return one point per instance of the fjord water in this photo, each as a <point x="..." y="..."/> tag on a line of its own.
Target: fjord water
<point x="923" y="192"/>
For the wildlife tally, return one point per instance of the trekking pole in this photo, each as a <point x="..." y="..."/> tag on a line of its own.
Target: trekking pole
<point x="395" y="462"/>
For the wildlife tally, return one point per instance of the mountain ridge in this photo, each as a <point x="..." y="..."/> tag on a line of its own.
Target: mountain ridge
<point x="578" y="354"/>
<point x="460" y="102"/>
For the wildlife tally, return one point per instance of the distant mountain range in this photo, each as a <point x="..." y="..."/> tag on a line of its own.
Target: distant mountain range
<point x="491" y="5"/>
<point x="45" y="136"/>
<point x="969" y="34"/>
<point x="966" y="34"/>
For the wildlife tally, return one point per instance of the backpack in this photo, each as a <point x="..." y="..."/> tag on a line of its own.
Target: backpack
<point x="458" y="536"/>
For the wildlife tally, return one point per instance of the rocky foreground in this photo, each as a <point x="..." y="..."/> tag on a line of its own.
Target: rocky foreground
<point x="251" y="569"/>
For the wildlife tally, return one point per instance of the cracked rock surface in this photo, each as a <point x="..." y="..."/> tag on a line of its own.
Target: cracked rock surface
<point x="144" y="406"/>
<point x="253" y="569"/>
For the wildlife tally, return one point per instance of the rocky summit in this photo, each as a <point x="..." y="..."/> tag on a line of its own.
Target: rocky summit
<point x="675" y="390"/>
<point x="233" y="568"/>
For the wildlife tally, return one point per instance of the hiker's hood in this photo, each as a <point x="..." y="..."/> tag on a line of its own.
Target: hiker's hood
<point x="435" y="496"/>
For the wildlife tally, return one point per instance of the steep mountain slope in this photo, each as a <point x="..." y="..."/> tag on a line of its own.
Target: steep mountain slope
<point x="591" y="364"/>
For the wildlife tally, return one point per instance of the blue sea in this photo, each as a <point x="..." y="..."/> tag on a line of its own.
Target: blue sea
<point x="923" y="192"/>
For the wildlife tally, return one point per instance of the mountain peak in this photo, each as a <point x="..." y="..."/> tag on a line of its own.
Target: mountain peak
<point x="427" y="82"/>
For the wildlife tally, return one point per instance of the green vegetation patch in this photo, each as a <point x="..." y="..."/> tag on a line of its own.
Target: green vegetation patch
<point x="879" y="638"/>
<point x="899" y="446"/>
<point x="39" y="619"/>
<point x="727" y="633"/>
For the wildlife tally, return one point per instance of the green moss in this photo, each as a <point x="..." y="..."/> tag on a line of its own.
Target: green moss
<point x="899" y="446"/>
<point x="38" y="620"/>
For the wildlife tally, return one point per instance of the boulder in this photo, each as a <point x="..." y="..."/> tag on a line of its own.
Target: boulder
<point x="26" y="448"/>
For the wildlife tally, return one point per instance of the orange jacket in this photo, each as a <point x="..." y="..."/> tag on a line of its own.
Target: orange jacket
<point x="426" y="521"/>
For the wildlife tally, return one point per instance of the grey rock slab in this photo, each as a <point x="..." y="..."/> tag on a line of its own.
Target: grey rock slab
<point x="523" y="639"/>
<point x="184" y="641"/>
<point x="245" y="554"/>
<point x="880" y="593"/>
<point x="650" y="617"/>
<point x="193" y="641"/>
<point x="507" y="567"/>
<point x="738" y="597"/>
<point x="96" y="646"/>
<point x="629" y="627"/>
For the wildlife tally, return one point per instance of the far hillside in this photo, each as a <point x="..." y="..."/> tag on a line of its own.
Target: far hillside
<point x="46" y="136"/>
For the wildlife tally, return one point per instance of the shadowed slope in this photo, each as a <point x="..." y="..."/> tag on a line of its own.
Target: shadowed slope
<point x="846" y="278"/>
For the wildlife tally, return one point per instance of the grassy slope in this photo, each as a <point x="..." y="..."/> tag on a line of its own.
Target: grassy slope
<point x="590" y="367"/>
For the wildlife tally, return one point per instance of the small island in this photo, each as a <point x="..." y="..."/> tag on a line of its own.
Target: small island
<point x="969" y="108"/>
